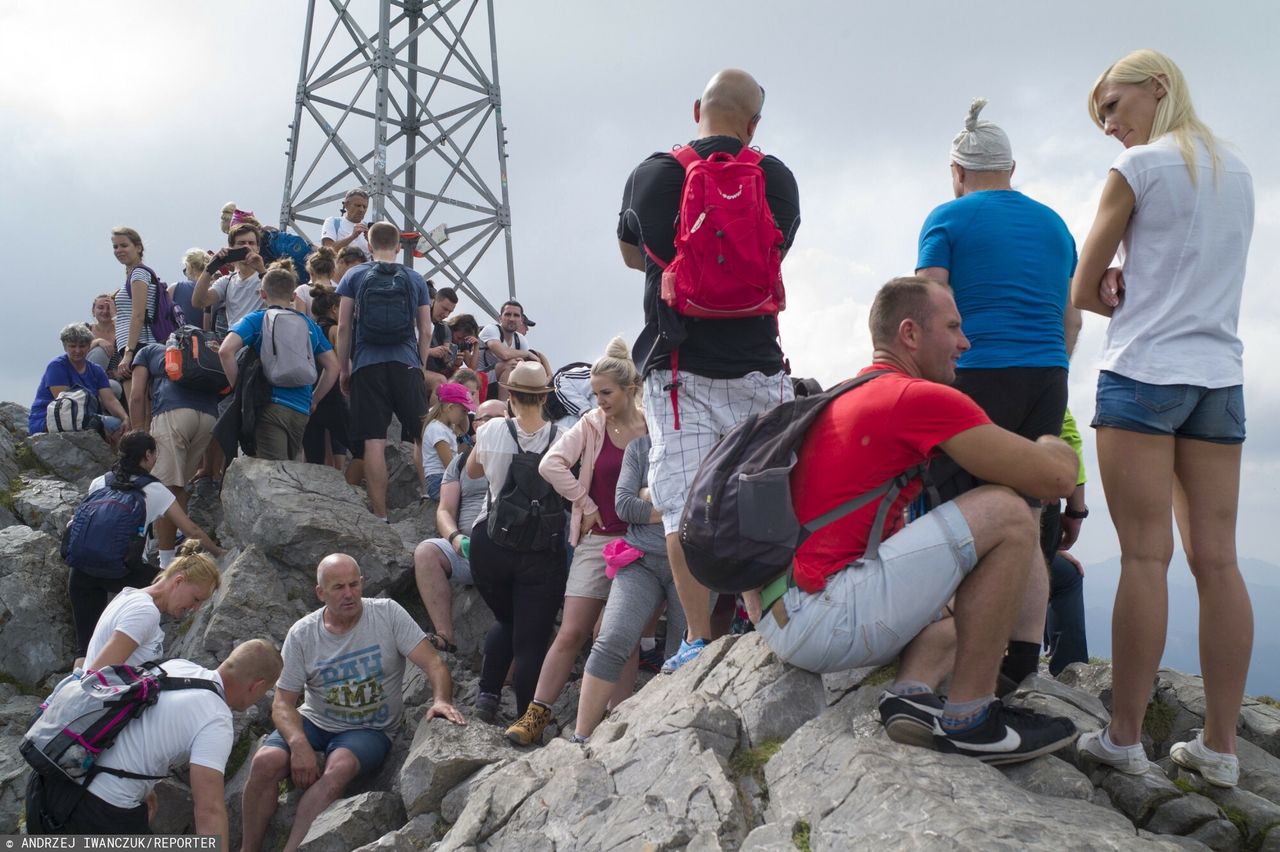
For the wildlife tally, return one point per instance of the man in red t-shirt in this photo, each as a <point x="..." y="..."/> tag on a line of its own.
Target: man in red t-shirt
<point x="853" y="606"/>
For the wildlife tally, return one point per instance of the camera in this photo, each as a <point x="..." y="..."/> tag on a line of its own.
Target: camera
<point x="465" y="346"/>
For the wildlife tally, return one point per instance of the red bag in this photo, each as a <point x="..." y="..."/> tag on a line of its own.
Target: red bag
<point x="728" y="261"/>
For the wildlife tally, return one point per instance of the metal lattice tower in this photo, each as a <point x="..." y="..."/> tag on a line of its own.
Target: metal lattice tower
<point x="398" y="105"/>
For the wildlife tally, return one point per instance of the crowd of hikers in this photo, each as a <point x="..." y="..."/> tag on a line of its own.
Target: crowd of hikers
<point x="680" y="488"/>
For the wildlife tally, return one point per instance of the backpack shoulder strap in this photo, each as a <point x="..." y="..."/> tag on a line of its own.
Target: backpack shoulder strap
<point x="687" y="156"/>
<point x="511" y="430"/>
<point x="750" y="155"/>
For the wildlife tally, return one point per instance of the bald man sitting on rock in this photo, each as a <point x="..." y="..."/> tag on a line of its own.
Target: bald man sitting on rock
<point x="346" y="660"/>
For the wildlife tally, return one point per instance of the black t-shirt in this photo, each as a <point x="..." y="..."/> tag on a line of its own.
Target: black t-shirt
<point x="717" y="349"/>
<point x="440" y="335"/>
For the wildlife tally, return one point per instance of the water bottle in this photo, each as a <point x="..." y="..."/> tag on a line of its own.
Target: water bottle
<point x="466" y="547"/>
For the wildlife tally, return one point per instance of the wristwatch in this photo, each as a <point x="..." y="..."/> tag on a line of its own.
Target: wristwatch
<point x="1075" y="515"/>
<point x="454" y="535"/>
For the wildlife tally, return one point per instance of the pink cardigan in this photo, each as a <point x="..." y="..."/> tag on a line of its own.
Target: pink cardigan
<point x="582" y="442"/>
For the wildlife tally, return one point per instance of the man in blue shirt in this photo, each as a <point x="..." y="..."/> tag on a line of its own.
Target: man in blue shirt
<point x="384" y="337"/>
<point x="280" y="425"/>
<point x="1009" y="261"/>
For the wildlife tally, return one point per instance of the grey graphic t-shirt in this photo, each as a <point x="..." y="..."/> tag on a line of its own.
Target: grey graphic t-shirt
<point x="353" y="680"/>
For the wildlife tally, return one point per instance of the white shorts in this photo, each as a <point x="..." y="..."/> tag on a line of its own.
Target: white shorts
<point x="869" y="611"/>
<point x="709" y="408"/>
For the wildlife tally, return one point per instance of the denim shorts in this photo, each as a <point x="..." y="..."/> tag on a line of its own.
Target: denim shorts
<point x="368" y="745"/>
<point x="1184" y="411"/>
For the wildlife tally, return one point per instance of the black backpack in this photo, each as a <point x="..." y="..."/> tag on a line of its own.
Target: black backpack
<point x="739" y="529"/>
<point x="528" y="514"/>
<point x="385" y="309"/>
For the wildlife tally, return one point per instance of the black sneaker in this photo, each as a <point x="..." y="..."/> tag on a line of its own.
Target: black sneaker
<point x="1009" y="735"/>
<point x="908" y="719"/>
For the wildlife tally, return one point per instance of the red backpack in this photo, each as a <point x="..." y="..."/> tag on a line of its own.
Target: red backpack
<point x="728" y="261"/>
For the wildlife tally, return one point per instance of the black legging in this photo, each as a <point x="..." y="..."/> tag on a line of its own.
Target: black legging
<point x="89" y="598"/>
<point x="329" y="417"/>
<point x="524" y="591"/>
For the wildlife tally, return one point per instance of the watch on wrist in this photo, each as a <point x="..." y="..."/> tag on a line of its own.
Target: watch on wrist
<point x="1075" y="514"/>
<point x="454" y="535"/>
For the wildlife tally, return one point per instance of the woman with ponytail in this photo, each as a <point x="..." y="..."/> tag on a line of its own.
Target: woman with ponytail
<point x="595" y="444"/>
<point x="128" y="631"/>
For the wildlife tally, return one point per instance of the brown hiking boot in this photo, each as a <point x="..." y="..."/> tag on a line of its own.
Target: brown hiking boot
<point x="528" y="729"/>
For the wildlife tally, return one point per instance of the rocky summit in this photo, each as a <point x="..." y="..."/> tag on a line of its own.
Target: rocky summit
<point x="737" y="751"/>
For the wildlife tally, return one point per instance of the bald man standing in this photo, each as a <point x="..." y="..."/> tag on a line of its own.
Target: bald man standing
<point x="728" y="368"/>
<point x="347" y="661"/>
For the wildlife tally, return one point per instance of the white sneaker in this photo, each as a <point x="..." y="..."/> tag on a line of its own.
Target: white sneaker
<point x="1097" y="746"/>
<point x="1220" y="770"/>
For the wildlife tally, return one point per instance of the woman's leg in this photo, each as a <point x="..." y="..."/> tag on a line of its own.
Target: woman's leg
<point x="491" y="570"/>
<point x="634" y="595"/>
<point x="1137" y="476"/>
<point x="580" y="616"/>
<point x="1206" y="496"/>
<point x="540" y="589"/>
<point x="88" y="597"/>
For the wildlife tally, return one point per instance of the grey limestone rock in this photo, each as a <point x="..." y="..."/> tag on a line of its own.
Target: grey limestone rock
<point x="1050" y="776"/>
<point x="174" y="813"/>
<point x="258" y="598"/>
<point x="76" y="457"/>
<point x="298" y="513"/>
<point x="36" y="636"/>
<point x="1219" y="835"/>
<point x="1182" y="815"/>
<point x="13" y="419"/>
<point x="442" y="756"/>
<point x="353" y="822"/>
<point x="415" y="836"/>
<point x="9" y="469"/>
<point x="46" y="504"/>
<point x="13" y="783"/>
<point x="1044" y="694"/>
<point x="1253" y="815"/>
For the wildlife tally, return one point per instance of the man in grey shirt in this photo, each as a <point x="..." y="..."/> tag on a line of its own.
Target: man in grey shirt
<point x="436" y="561"/>
<point x="348" y="659"/>
<point x="237" y="294"/>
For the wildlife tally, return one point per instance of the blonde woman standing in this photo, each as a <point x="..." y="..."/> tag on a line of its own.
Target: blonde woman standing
<point x="1170" y="405"/>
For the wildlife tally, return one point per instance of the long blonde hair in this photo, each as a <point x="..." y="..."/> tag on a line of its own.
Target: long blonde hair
<point x="1174" y="112"/>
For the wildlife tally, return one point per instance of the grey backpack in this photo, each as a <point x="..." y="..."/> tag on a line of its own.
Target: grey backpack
<point x="288" y="360"/>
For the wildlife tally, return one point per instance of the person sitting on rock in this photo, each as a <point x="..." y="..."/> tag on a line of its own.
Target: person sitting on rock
<point x="437" y="561"/>
<point x="73" y="369"/>
<point x="347" y="659"/>
<point x="185" y="726"/>
<point x="852" y="600"/>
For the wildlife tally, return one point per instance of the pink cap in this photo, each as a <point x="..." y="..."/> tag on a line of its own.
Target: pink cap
<point x="454" y="392"/>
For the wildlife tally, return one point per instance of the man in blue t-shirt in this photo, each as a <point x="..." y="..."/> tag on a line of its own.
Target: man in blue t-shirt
<point x="73" y="369"/>
<point x="382" y="378"/>
<point x="181" y="420"/>
<point x="1009" y="262"/>
<point x="278" y="432"/>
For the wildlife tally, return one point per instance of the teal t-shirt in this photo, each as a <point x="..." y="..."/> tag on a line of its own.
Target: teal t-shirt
<point x="1010" y="260"/>
<point x="250" y="331"/>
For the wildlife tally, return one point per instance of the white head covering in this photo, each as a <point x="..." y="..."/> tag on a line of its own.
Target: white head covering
<point x="981" y="146"/>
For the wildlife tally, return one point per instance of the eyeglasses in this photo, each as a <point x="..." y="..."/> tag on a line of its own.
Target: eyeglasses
<point x="756" y="117"/>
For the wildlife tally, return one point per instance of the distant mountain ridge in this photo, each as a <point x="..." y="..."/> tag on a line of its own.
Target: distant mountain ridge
<point x="1181" y="647"/>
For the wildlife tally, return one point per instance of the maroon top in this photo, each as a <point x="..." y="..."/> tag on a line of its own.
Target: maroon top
<point x="604" y="482"/>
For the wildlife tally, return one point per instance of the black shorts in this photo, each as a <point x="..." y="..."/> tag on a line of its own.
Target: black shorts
<point x="381" y="390"/>
<point x="1029" y="401"/>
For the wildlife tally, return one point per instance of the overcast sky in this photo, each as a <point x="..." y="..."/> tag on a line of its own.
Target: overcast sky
<point x="154" y="114"/>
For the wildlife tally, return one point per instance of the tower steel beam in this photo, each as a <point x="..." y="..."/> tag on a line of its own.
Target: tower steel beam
<point x="398" y="103"/>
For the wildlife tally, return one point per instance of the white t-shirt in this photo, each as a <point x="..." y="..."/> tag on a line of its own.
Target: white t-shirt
<point x="489" y="333"/>
<point x="436" y="432"/>
<point x="159" y="498"/>
<point x="340" y="227"/>
<point x="1184" y="261"/>
<point x="303" y="294"/>
<point x="494" y="450"/>
<point x="134" y="613"/>
<point x="239" y="295"/>
<point x="185" y="725"/>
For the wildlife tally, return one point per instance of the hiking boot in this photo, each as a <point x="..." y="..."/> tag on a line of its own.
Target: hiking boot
<point x="651" y="660"/>
<point x="487" y="708"/>
<point x="908" y="719"/>
<point x="528" y="729"/>
<point x="1007" y="735"/>
<point x="1131" y="760"/>
<point x="1219" y="769"/>
<point x="688" y="652"/>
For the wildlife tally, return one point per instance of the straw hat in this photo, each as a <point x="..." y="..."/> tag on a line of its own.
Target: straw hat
<point x="527" y="377"/>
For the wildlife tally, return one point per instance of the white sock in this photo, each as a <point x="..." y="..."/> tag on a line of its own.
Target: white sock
<point x="648" y="643"/>
<point x="166" y="556"/>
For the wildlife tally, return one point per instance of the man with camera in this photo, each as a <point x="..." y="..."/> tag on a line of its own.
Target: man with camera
<point x="238" y="293"/>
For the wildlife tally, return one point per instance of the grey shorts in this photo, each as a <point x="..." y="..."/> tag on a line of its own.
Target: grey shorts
<point x="459" y="568"/>
<point x="586" y="573"/>
<point x="868" y="612"/>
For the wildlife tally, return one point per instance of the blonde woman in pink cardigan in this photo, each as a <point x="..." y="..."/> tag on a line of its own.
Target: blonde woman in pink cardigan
<point x="596" y="444"/>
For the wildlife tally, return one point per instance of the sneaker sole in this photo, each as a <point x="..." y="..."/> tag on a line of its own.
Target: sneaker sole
<point x="515" y="739"/>
<point x="908" y="731"/>
<point x="1217" y="782"/>
<point x="1024" y="756"/>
